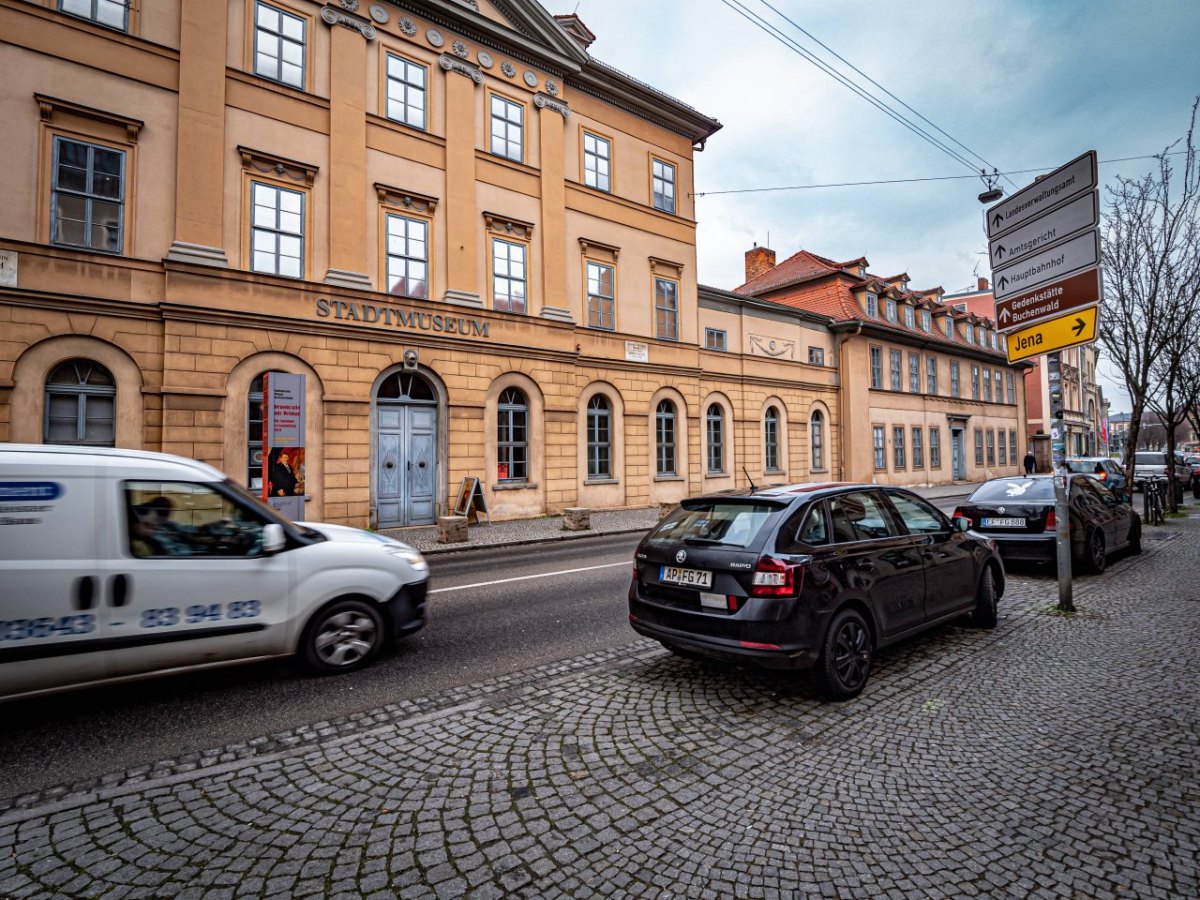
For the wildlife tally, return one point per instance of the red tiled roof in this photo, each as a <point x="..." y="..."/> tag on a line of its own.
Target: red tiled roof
<point x="802" y="266"/>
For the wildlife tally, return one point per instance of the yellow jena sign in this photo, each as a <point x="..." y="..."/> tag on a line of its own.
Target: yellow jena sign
<point x="1076" y="327"/>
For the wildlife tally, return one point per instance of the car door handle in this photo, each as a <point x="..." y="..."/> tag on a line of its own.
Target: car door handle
<point x="118" y="590"/>
<point x="85" y="592"/>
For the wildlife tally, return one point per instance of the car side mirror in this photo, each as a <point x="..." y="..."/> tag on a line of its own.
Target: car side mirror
<point x="273" y="538"/>
<point x="961" y="523"/>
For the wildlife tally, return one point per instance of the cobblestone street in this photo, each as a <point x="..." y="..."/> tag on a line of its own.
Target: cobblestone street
<point x="1051" y="757"/>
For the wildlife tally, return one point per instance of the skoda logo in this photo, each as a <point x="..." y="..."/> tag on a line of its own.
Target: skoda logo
<point x="999" y="509"/>
<point x="680" y="556"/>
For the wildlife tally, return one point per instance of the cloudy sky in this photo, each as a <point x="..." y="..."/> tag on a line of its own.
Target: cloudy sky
<point x="1026" y="84"/>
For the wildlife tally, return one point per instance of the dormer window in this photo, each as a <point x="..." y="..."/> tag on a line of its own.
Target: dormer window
<point x="872" y="306"/>
<point x="949" y="328"/>
<point x="925" y="320"/>
<point x="891" y="310"/>
<point x="862" y="271"/>
<point x="909" y="316"/>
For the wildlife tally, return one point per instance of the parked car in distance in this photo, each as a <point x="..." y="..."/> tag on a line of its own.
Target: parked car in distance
<point x="1153" y="463"/>
<point x="121" y="564"/>
<point x="1018" y="514"/>
<point x="808" y="576"/>
<point x="1191" y="464"/>
<point x="1105" y="470"/>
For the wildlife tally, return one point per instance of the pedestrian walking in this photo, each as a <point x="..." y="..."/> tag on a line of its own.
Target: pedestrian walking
<point x="1030" y="462"/>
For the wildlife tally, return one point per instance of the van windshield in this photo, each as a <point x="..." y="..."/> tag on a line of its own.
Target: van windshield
<point x="717" y="523"/>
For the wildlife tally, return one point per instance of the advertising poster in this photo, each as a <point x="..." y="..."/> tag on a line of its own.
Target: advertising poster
<point x="283" y="443"/>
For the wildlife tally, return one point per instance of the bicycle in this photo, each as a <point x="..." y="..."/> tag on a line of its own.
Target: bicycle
<point x="1154" y="495"/>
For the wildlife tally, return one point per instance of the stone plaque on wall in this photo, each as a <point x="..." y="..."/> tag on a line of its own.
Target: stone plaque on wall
<point x="770" y="346"/>
<point x="8" y="268"/>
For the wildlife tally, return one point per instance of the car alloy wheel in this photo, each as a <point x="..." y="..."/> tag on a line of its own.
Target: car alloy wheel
<point x="846" y="661"/>
<point x="1096" y="555"/>
<point x="342" y="637"/>
<point x="986" y="606"/>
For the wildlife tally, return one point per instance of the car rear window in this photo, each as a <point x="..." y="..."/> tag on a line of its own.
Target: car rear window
<point x="727" y="524"/>
<point x="1015" y="489"/>
<point x="1151" y="459"/>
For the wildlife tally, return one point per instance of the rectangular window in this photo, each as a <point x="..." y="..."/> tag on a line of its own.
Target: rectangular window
<point x="979" y="446"/>
<point x="914" y="373"/>
<point x="974" y="382"/>
<point x="666" y="309"/>
<point x="277" y="230"/>
<point x="891" y="309"/>
<point x="925" y="320"/>
<point x="507" y="128"/>
<point x="1012" y="442"/>
<point x="876" y="367"/>
<point x="935" y="448"/>
<point x="872" y="306"/>
<point x="407" y="257"/>
<point x="406" y="92"/>
<point x="597" y="161"/>
<point x="1003" y="447"/>
<point x="909" y="316"/>
<point x="1008" y="387"/>
<point x="816" y="356"/>
<point x="600" y="281"/>
<point x="112" y="13"/>
<point x="955" y="386"/>
<point x="895" y="369"/>
<point x="663" y="185"/>
<point x="87" y="200"/>
<point x="880" y="451"/>
<point x="898" y="446"/>
<point x="508" y="276"/>
<point x="279" y="41"/>
<point x="931" y="385"/>
<point x="991" y="447"/>
<point x="987" y="385"/>
<point x="918" y="445"/>
<point x="715" y="339"/>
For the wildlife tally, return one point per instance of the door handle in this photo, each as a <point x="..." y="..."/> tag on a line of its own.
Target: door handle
<point x="118" y="590"/>
<point x="85" y="592"/>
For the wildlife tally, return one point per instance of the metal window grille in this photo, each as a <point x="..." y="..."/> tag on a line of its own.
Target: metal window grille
<point x="279" y="45"/>
<point x="407" y="257"/>
<point x="87" y="202"/>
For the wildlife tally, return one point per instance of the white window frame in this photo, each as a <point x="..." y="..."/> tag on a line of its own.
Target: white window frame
<point x="403" y="88"/>
<point x="407" y="254"/>
<point x="515" y="272"/>
<point x="601" y="311"/>
<point x="506" y="118"/>
<point x="283" y="37"/>
<point x="288" y="226"/>
<point x="94" y="11"/>
<point x="597" y="165"/>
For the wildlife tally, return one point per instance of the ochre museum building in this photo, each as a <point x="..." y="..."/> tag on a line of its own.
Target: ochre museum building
<point x="475" y="240"/>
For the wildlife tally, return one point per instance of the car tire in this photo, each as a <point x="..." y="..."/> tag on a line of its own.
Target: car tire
<point x="1095" y="556"/>
<point x="342" y="637"/>
<point x="987" y="611"/>
<point x="1135" y="536"/>
<point x="845" y="662"/>
<point x="1196" y="488"/>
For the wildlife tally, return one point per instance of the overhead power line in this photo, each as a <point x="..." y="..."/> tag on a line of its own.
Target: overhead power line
<point x="793" y="45"/>
<point x="810" y="187"/>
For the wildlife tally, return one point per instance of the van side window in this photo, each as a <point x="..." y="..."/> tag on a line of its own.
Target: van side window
<point x="172" y="518"/>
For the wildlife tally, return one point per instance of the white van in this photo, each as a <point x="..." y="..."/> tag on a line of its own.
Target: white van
<point x="118" y="564"/>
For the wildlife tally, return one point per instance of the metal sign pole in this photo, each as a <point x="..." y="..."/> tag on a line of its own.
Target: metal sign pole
<point x="1062" y="515"/>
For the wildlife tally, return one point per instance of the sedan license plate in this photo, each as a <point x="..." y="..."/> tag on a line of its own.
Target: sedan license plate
<point x="697" y="578"/>
<point x="1003" y="522"/>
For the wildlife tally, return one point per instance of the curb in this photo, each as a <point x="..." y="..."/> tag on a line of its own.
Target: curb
<point x="573" y="536"/>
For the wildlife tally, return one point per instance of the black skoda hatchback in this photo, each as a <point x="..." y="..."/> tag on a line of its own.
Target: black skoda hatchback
<point x="808" y="576"/>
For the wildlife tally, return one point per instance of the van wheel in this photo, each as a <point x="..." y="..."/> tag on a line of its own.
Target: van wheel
<point x="986" y="612"/>
<point x="342" y="637"/>
<point x="846" y="656"/>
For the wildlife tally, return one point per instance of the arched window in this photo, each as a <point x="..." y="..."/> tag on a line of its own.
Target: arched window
<point x="716" y="438"/>
<point x="771" y="439"/>
<point x="599" y="438"/>
<point x="254" y="433"/>
<point x="817" y="441"/>
<point x="664" y="429"/>
<point x="407" y="386"/>
<point x="512" y="436"/>
<point x="81" y="404"/>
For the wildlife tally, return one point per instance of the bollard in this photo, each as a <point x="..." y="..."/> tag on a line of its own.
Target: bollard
<point x="452" y="530"/>
<point x="577" y="518"/>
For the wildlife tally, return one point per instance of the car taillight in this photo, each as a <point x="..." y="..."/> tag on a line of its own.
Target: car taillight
<point x="1103" y="476"/>
<point x="773" y="578"/>
<point x="1051" y="521"/>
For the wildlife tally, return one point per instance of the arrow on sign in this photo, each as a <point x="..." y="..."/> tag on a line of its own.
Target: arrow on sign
<point x="1000" y="251"/>
<point x="998" y="220"/>
<point x="1078" y="326"/>
<point x="1004" y="317"/>
<point x="1002" y="283"/>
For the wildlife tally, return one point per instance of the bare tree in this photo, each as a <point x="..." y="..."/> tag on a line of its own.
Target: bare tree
<point x="1151" y="256"/>
<point x="1174" y="390"/>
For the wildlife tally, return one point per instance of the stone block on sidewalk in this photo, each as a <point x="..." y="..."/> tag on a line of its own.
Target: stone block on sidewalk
<point x="577" y="518"/>
<point x="665" y="507"/>
<point x="452" y="529"/>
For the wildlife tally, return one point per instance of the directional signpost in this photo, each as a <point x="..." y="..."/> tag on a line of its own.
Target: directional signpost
<point x="1044" y="245"/>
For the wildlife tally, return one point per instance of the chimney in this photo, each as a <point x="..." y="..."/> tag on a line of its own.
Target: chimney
<point x="983" y="284"/>
<point x="758" y="261"/>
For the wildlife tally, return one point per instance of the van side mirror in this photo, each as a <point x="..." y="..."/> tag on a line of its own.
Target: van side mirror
<point x="273" y="538"/>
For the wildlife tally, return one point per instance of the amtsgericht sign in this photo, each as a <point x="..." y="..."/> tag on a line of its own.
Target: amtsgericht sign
<point x="395" y="317"/>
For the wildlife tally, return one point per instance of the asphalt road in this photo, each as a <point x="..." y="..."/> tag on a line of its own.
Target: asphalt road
<point x="490" y="613"/>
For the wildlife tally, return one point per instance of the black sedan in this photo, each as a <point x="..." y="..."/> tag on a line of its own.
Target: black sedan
<point x="1018" y="514"/>
<point x="808" y="576"/>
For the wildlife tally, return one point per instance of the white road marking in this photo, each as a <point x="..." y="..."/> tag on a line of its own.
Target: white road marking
<point x="462" y="587"/>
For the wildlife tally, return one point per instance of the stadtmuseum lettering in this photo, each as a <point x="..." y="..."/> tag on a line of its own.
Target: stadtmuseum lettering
<point x="393" y="317"/>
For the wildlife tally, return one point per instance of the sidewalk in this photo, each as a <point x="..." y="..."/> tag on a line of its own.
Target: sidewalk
<point x="544" y="529"/>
